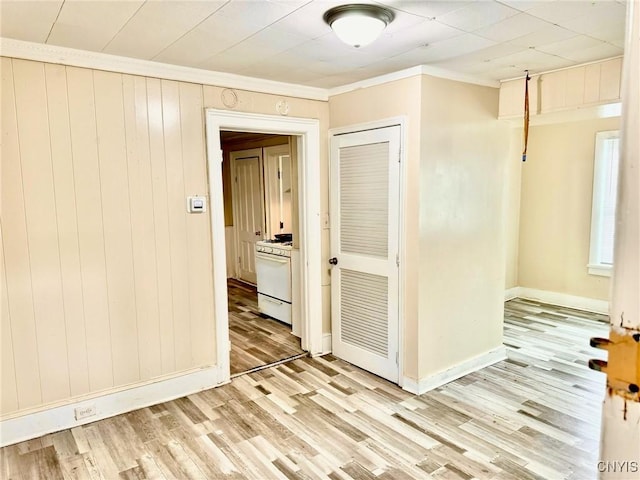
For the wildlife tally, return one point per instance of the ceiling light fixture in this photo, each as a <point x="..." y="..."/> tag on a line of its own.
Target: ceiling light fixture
<point x="358" y="24"/>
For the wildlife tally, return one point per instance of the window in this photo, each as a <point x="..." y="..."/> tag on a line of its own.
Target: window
<point x="605" y="185"/>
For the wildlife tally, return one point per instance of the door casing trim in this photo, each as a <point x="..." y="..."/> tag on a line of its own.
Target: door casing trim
<point x="307" y="132"/>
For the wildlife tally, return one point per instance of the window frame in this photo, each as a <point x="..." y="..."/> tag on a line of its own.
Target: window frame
<point x="595" y="265"/>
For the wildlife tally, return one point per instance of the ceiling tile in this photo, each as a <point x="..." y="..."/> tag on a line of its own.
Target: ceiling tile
<point x="512" y="27"/>
<point x="573" y="44"/>
<point x="454" y="47"/>
<point x="28" y="21"/>
<point x="90" y="25"/>
<point x="426" y="8"/>
<point x="597" y="52"/>
<point x="550" y="34"/>
<point x="259" y="13"/>
<point x="307" y="20"/>
<point x="532" y="60"/>
<point x="526" y="5"/>
<point x="158" y="24"/>
<point x="611" y="17"/>
<point x="212" y="36"/>
<point x="561" y="11"/>
<point x="477" y="15"/>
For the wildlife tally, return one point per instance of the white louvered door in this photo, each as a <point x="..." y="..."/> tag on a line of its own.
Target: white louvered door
<point x="364" y="212"/>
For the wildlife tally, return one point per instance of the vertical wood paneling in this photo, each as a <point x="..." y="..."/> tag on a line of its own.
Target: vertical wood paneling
<point x="16" y="253"/>
<point x="161" y="222"/>
<point x="84" y="144"/>
<point x="9" y="392"/>
<point x="65" y="200"/>
<point x="105" y="278"/>
<point x="177" y="223"/>
<point x="42" y="230"/>
<point x="112" y="158"/>
<point x="143" y="235"/>
<point x="198" y="231"/>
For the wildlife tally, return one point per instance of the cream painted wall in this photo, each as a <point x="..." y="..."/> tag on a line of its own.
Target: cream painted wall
<point x="512" y="182"/>
<point x="106" y="280"/>
<point x="464" y="151"/>
<point x="555" y="216"/>
<point x="456" y="155"/>
<point x="399" y="98"/>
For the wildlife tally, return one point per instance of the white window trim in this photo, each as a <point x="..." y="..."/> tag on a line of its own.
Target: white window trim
<point x="595" y="267"/>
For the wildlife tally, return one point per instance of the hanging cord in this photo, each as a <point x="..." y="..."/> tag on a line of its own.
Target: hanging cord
<point x="526" y="116"/>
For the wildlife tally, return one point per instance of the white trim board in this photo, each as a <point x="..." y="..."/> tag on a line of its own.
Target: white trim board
<point x="113" y="63"/>
<point x="42" y="422"/>
<point x="450" y="374"/>
<point x="412" y="72"/>
<point x="326" y="343"/>
<point x="559" y="299"/>
<point x="511" y="293"/>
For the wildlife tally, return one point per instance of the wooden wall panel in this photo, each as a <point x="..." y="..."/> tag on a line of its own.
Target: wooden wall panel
<point x="177" y="222"/>
<point x="40" y="210"/>
<point x="143" y="233"/>
<point x="114" y="187"/>
<point x="198" y="231"/>
<point x="9" y="392"/>
<point x="16" y="254"/>
<point x="161" y="222"/>
<point x="106" y="280"/>
<point x="84" y="142"/>
<point x="65" y="201"/>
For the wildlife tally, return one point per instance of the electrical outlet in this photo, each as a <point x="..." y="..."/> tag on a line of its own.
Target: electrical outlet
<point x="85" y="412"/>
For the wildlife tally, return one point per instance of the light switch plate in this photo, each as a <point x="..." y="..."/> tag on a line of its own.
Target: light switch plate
<point x="196" y="204"/>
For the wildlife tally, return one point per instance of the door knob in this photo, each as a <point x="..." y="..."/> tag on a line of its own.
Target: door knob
<point x="258" y="233"/>
<point x="333" y="261"/>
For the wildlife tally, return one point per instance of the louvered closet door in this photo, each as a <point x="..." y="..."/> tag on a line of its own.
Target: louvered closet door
<point x="364" y="242"/>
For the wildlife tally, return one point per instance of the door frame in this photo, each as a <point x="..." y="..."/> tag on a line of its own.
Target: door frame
<point x="400" y="121"/>
<point x="235" y="199"/>
<point x="307" y="132"/>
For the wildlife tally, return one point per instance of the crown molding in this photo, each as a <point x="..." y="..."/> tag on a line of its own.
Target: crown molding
<point x="577" y="65"/>
<point x="113" y="63"/>
<point x="412" y="72"/>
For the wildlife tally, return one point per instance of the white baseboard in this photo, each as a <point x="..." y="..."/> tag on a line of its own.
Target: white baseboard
<point x="326" y="343"/>
<point x="562" y="299"/>
<point x="469" y="366"/>
<point x="54" y="419"/>
<point x="511" y="293"/>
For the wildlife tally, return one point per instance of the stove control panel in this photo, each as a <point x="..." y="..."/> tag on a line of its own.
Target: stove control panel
<point x="274" y="249"/>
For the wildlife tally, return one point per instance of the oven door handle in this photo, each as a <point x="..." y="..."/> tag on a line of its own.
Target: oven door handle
<point x="273" y="258"/>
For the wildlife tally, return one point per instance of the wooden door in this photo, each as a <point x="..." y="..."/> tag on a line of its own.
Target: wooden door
<point x="364" y="214"/>
<point x="248" y="209"/>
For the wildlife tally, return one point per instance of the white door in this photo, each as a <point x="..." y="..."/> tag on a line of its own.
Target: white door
<point x="248" y="209"/>
<point x="364" y="211"/>
<point x="277" y="183"/>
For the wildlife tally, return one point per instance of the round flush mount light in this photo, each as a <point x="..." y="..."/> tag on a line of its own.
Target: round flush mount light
<point x="358" y="24"/>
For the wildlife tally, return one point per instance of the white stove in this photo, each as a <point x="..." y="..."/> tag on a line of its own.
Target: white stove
<point x="273" y="270"/>
<point x="281" y="249"/>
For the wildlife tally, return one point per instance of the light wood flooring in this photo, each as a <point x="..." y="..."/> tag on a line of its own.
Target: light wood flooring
<point x="533" y="416"/>
<point x="256" y="341"/>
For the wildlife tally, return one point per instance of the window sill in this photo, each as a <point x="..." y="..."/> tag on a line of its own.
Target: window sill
<point x="600" y="270"/>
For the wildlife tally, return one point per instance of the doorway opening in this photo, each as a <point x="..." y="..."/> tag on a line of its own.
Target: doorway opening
<point x="304" y="141"/>
<point x="263" y="268"/>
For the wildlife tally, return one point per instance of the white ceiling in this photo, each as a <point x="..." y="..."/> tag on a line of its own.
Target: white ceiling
<point x="287" y="40"/>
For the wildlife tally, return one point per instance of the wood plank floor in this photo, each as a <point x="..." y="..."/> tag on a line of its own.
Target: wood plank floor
<point x="533" y="416"/>
<point x="255" y="340"/>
